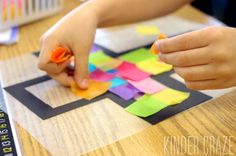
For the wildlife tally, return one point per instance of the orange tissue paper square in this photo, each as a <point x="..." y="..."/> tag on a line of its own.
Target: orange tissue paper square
<point x="95" y="89"/>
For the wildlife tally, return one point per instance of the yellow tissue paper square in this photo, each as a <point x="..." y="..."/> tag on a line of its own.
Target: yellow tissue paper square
<point x="147" y="30"/>
<point x="154" y="66"/>
<point x="171" y="96"/>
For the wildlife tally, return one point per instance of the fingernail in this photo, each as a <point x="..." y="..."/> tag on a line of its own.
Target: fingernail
<point x="157" y="43"/>
<point x="84" y="84"/>
<point x="160" y="56"/>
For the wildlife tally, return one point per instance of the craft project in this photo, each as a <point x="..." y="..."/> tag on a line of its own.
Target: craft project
<point x="105" y="66"/>
<point x="103" y="61"/>
<point x="98" y="58"/>
<point x="130" y="72"/>
<point x="154" y="49"/>
<point x="95" y="49"/>
<point x="145" y="106"/>
<point x="139" y="95"/>
<point x="126" y="91"/>
<point x="148" y="86"/>
<point x="92" y="67"/>
<point x="171" y="96"/>
<point x="117" y="82"/>
<point x="154" y="66"/>
<point x="112" y="71"/>
<point x="137" y="56"/>
<point x="100" y="75"/>
<point x="127" y="77"/>
<point x="95" y="89"/>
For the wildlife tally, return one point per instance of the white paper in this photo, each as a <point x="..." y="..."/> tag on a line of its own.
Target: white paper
<point x="116" y="38"/>
<point x="9" y="36"/>
<point x="5" y="36"/>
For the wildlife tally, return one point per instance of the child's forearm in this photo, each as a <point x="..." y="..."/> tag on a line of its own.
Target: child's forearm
<point x="112" y="12"/>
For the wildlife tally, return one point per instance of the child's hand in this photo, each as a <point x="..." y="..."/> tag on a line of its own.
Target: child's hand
<point x="76" y="33"/>
<point x="206" y="59"/>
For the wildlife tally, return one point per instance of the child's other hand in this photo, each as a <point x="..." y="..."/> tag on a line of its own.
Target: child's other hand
<point x="205" y="59"/>
<point x="75" y="32"/>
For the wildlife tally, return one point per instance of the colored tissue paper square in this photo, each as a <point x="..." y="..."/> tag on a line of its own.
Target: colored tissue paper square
<point x="92" y="68"/>
<point x="126" y="91"/>
<point x="103" y="61"/>
<point x="171" y="96"/>
<point x="153" y="66"/>
<point x="148" y="85"/>
<point x="137" y="56"/>
<point x="112" y="71"/>
<point x="129" y="71"/>
<point x="95" y="89"/>
<point x="113" y="63"/>
<point x="71" y="66"/>
<point x="95" y="48"/>
<point x="98" y="58"/>
<point x="117" y="82"/>
<point x="146" y="106"/>
<point x="100" y="75"/>
<point x="147" y="30"/>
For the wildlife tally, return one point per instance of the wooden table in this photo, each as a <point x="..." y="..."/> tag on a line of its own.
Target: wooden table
<point x="215" y="119"/>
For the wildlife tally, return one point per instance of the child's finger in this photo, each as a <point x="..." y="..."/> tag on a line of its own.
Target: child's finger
<point x="205" y="84"/>
<point x="47" y="48"/>
<point x="54" y="68"/>
<point x="196" y="73"/>
<point x="63" y="78"/>
<point x="81" y="68"/>
<point x="187" y="58"/>
<point x="45" y="55"/>
<point x="192" y="40"/>
<point x="60" y="54"/>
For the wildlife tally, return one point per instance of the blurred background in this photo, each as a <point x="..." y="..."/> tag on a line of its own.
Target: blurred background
<point x="224" y="10"/>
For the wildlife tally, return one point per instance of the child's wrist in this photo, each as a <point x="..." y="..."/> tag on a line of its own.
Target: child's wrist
<point x="97" y="10"/>
<point x="88" y="12"/>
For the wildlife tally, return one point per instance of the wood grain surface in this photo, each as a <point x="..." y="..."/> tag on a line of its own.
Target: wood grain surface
<point x="214" y="120"/>
<point x="102" y="123"/>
